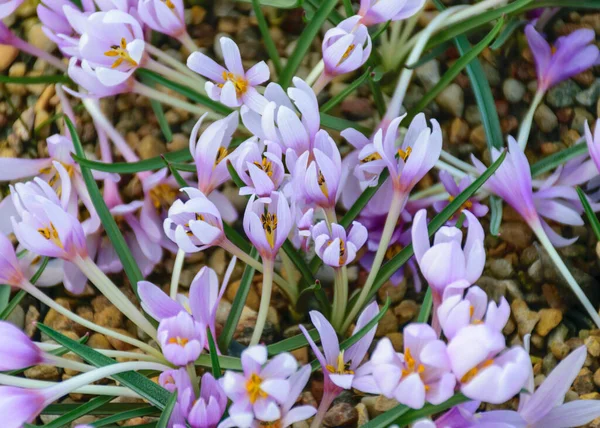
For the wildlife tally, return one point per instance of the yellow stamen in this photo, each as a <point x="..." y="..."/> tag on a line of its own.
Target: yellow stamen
<point x="371" y="157"/>
<point x="404" y="154"/>
<point x="239" y="82"/>
<point x="466" y="206"/>
<point x="181" y="341"/>
<point x="271" y="424"/>
<point x="342" y="366"/>
<point x="269" y="222"/>
<point x="473" y="372"/>
<point x="347" y="53"/>
<point x="266" y="166"/>
<point x="392" y="251"/>
<point x="253" y="388"/>
<point x="121" y="53"/>
<point x="51" y="234"/>
<point x="169" y="4"/>
<point x="53" y="179"/>
<point x="222" y="154"/>
<point x="323" y="184"/>
<point x="162" y="196"/>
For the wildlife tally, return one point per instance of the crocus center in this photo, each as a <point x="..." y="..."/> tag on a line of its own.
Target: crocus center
<point x="404" y="154"/>
<point x="120" y="51"/>
<point x="239" y="82"/>
<point x="347" y="53"/>
<point x="269" y="222"/>
<point x="323" y="184"/>
<point x="471" y="313"/>
<point x="342" y="250"/>
<point x="411" y="364"/>
<point x="371" y="157"/>
<point x="169" y="4"/>
<point x="55" y="175"/>
<point x="51" y="234"/>
<point x="266" y="165"/>
<point x="221" y="154"/>
<point x="271" y="424"/>
<point x="392" y="251"/>
<point x="342" y="367"/>
<point x="475" y="370"/>
<point x="253" y="388"/>
<point x="466" y="206"/>
<point x="181" y="341"/>
<point x="162" y="196"/>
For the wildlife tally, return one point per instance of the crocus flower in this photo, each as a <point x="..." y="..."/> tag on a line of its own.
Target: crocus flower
<point x="163" y="16"/>
<point x="456" y="312"/>
<point x="421" y="374"/>
<point x="346" y="47"/>
<point x="17" y="351"/>
<point x="483" y="370"/>
<point x="593" y="142"/>
<point x="545" y="407"/>
<point x="231" y="86"/>
<point x="7" y="7"/>
<point x="181" y="338"/>
<point x="570" y="55"/>
<point x="375" y="12"/>
<point x="268" y="225"/>
<point x="472" y="205"/>
<point x="113" y="44"/>
<point x="304" y="225"/>
<point x="419" y="152"/>
<point x="210" y="151"/>
<point x="262" y="171"/>
<point x="196" y="224"/>
<point x="207" y="410"/>
<point x="336" y="248"/>
<point x="10" y="269"/>
<point x="446" y="264"/>
<point x="20" y="405"/>
<point x="62" y="22"/>
<point x="84" y="75"/>
<point x="257" y="392"/>
<point x="175" y="380"/>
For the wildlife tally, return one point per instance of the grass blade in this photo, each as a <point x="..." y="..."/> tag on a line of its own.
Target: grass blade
<point x="79" y="411"/>
<point x="124" y="416"/>
<point x="35" y="80"/>
<point x="589" y="212"/>
<point x="342" y="95"/>
<point x="425" y="310"/>
<point x="496" y="214"/>
<point x="163" y="421"/>
<point x="151" y="164"/>
<point x="559" y="158"/>
<point x="292" y="343"/>
<point x="159" y="112"/>
<point x="339" y="124"/>
<point x="266" y="35"/>
<point x="107" y="409"/>
<point x="507" y="32"/>
<point x="214" y="357"/>
<point x="110" y="226"/>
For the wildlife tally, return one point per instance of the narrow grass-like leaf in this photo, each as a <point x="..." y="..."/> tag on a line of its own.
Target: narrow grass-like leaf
<point x="425" y="310"/>
<point x="558" y="158"/>
<point x="151" y="164"/>
<point x="178" y="178"/>
<point x="12" y="304"/>
<point x="589" y="212"/>
<point x="496" y="214"/>
<point x="159" y="112"/>
<point x="81" y="410"/>
<point x="280" y="4"/>
<point x="292" y="343"/>
<point x="377" y="96"/>
<point x="388" y="269"/>
<point x="305" y="41"/>
<point x="107" y="409"/>
<point x="581" y="4"/>
<point x="110" y="226"/>
<point x="266" y="36"/>
<point x="124" y="416"/>
<point x="4" y="296"/>
<point x="315" y="290"/>
<point x="311" y="6"/>
<point x="163" y="421"/>
<point x="510" y="27"/>
<point x="154" y="393"/>
<point x="237" y="305"/>
<point x="214" y="357"/>
<point x="186" y="167"/>
<point x="35" y="80"/>
<point x="343" y="94"/>
<point x="225" y="362"/>
<point x="429" y="56"/>
<point x="339" y="124"/>
<point x="185" y="91"/>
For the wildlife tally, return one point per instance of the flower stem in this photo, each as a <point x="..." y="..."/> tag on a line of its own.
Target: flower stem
<point x="169" y="60"/>
<point x="265" y="301"/>
<point x="191" y="371"/>
<point x="32" y="50"/>
<point x="66" y="363"/>
<point x="398" y="201"/>
<point x="116" y="296"/>
<point x="453" y="160"/>
<point x="564" y="271"/>
<point x="169" y="73"/>
<point x="176" y="273"/>
<point x="441" y="165"/>
<point x="340" y="298"/>
<point x="321" y="82"/>
<point x="324" y="405"/>
<point x="315" y="73"/>
<point x="525" y="128"/>
<point x="187" y="42"/>
<point x="45" y="346"/>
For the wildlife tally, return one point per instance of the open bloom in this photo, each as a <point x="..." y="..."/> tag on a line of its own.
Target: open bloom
<point x="7" y="7"/>
<point x="375" y="12"/>
<point x="204" y="411"/>
<point x="257" y="392"/>
<point x="10" y="269"/>
<point x="483" y="370"/>
<point x="593" y="142"/>
<point x="232" y="85"/>
<point x="17" y="351"/>
<point x="570" y="55"/>
<point x="62" y="22"/>
<point x="336" y="248"/>
<point x="447" y="264"/>
<point x="421" y="374"/>
<point x="163" y="16"/>
<point x="84" y="75"/>
<point x="472" y="205"/>
<point x="262" y="171"/>
<point x="21" y="405"/>
<point x="268" y="225"/>
<point x="346" y="47"/>
<point x="196" y="224"/>
<point x="181" y="338"/>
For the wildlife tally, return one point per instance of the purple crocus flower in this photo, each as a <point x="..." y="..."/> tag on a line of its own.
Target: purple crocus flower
<point x="196" y="224"/>
<point x="62" y="22"/>
<point x="175" y="380"/>
<point x="334" y="247"/>
<point x="17" y="351"/>
<point x="456" y="312"/>
<point x="163" y="16"/>
<point x="207" y="410"/>
<point x="21" y="405"/>
<point x="593" y="142"/>
<point x="485" y="372"/>
<point x="267" y="226"/>
<point x="181" y="338"/>
<point x="375" y="12"/>
<point x="210" y="151"/>
<point x="570" y="55"/>
<point x="472" y="205"/>
<point x="262" y="171"/>
<point x="304" y="225"/>
<point x="84" y="75"/>
<point x="232" y="86"/>
<point x="7" y="7"/>
<point x="346" y="47"/>
<point x="421" y="374"/>
<point x="258" y="392"/>
<point x="10" y="269"/>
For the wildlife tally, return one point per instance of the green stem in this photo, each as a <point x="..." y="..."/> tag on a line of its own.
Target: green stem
<point x="176" y="273"/>
<point x="265" y="302"/>
<point x="191" y="371"/>
<point x="188" y="42"/>
<point x="525" y="128"/>
<point x="340" y="298"/>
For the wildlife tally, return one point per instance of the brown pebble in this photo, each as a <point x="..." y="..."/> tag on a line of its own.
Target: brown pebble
<point x="397" y="340"/>
<point x="526" y="318"/>
<point x="549" y="318"/>
<point x="584" y="383"/>
<point x="459" y="131"/>
<point x="117" y="344"/>
<point x="406" y="311"/>
<point x="593" y="345"/>
<point x="340" y="415"/>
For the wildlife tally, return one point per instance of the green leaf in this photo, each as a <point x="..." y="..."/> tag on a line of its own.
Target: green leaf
<point x="311" y="6"/>
<point x="339" y="124"/>
<point x="266" y="36"/>
<point x="281" y="4"/>
<point x="581" y="4"/>
<point x="35" y="80"/>
<point x="154" y="393"/>
<point x="305" y="41"/>
<point x="79" y="411"/>
<point x="559" y="158"/>
<point x="589" y="212"/>
<point x="124" y="416"/>
<point x="110" y="226"/>
<point x="425" y="310"/>
<point x="467" y="56"/>
<point x="178" y="178"/>
<point x="4" y="296"/>
<point x="299" y="262"/>
<point x="159" y="112"/>
<point x="185" y="91"/>
<point x="431" y="55"/>
<point x="319" y="294"/>
<point x="507" y="32"/>
<point x="496" y="214"/>
<point x="163" y="421"/>
<point x="292" y="343"/>
<point x="225" y="362"/>
<point x="151" y="164"/>
<point x="238" y="304"/>
<point x="388" y="269"/>
<point x="214" y="357"/>
<point x="21" y="293"/>
<point x="107" y="409"/>
<point x="342" y="95"/>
